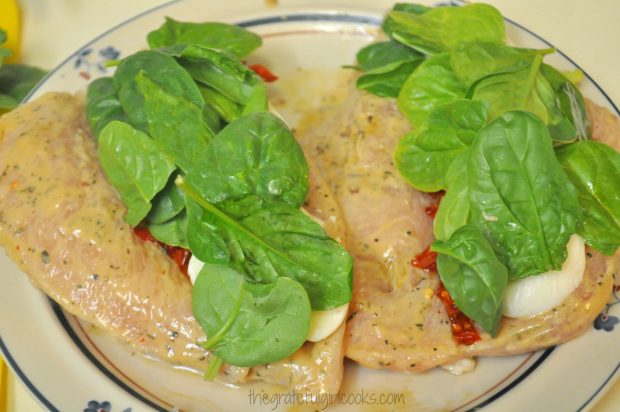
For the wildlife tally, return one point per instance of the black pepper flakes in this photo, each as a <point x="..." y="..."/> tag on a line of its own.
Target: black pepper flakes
<point x="45" y="257"/>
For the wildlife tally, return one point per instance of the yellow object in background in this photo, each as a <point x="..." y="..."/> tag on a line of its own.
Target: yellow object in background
<point x="3" y="386"/>
<point x="10" y="22"/>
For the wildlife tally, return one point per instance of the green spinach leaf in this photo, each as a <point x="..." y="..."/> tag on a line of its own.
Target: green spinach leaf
<point x="168" y="203"/>
<point x="172" y="232"/>
<point x="423" y="157"/>
<point x="453" y="211"/>
<point x="228" y="37"/>
<point x="594" y="169"/>
<point x="162" y="70"/>
<point x="387" y="84"/>
<point x="519" y="195"/>
<point x="385" y="56"/>
<point x="431" y="84"/>
<point x="250" y="324"/>
<point x="175" y="123"/>
<point x="103" y="105"/>
<point x="441" y="29"/>
<point x="255" y="155"/>
<point x="473" y="275"/>
<point x="273" y="241"/>
<point x="134" y="164"/>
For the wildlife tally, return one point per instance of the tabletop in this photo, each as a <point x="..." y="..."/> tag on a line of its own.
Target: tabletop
<point x="586" y="31"/>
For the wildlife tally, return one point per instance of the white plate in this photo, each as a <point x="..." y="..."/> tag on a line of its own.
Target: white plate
<point x="68" y="366"/>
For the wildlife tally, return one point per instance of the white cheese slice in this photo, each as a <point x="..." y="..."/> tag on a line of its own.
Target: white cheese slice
<point x="536" y="294"/>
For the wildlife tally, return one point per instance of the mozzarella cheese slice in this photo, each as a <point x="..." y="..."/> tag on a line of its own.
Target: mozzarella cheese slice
<point x="536" y="294"/>
<point x="322" y="323"/>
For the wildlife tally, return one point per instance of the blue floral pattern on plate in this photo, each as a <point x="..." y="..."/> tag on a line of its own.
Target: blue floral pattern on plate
<point x="86" y="61"/>
<point x="105" y="406"/>
<point x="605" y="321"/>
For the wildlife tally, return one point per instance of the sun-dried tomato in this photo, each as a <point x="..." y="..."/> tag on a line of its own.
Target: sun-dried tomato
<point x="180" y="255"/>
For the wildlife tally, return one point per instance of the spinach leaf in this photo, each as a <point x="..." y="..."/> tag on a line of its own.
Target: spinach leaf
<point x="423" y="157"/>
<point x="270" y="242"/>
<point x="387" y="84"/>
<point x="519" y="195"/>
<point x="473" y="276"/>
<point x="594" y="169"/>
<point x="570" y="102"/>
<point x="250" y="324"/>
<point x="222" y="105"/>
<point x="171" y="232"/>
<point x="134" y="164"/>
<point x="431" y="84"/>
<point x="103" y="105"/>
<point x="217" y="69"/>
<point x="389" y="26"/>
<point x="162" y="70"/>
<point x="441" y="29"/>
<point x="174" y="122"/>
<point x="168" y="203"/>
<point x="254" y="155"/>
<point x="385" y="56"/>
<point x="453" y="211"/>
<point x="473" y="61"/>
<point x="4" y="52"/>
<point x="228" y="37"/>
<point x="525" y="89"/>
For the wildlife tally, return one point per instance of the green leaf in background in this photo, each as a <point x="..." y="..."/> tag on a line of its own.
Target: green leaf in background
<point x="385" y="56"/>
<point x="453" y="211"/>
<point x="441" y="29"/>
<point x="135" y="166"/>
<point x="423" y="157"/>
<point x="162" y="70"/>
<point x="262" y="157"/>
<point x="249" y="324"/>
<point x="228" y="37"/>
<point x="594" y="169"/>
<point x="389" y="26"/>
<point x="103" y="105"/>
<point x="519" y="195"/>
<point x="433" y="83"/>
<point x="387" y="84"/>
<point x="273" y="241"/>
<point x="473" y="275"/>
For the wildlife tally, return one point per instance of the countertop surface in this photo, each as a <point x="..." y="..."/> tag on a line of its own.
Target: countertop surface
<point x="588" y="32"/>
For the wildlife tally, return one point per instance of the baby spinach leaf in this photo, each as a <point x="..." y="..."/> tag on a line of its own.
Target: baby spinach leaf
<point x="525" y="89"/>
<point x="228" y="37"/>
<point x="174" y="122"/>
<point x="594" y="169"/>
<point x="162" y="70"/>
<point x="222" y="105"/>
<point x="134" y="164"/>
<point x="453" y="211"/>
<point x="385" y="56"/>
<point x="388" y="25"/>
<point x="270" y="242"/>
<point x="250" y="324"/>
<point x="570" y="101"/>
<point x="168" y="203"/>
<point x="387" y="84"/>
<point x="102" y="104"/>
<point x="171" y="232"/>
<point x="431" y="84"/>
<point x="473" y="275"/>
<point x="217" y="69"/>
<point x="473" y="61"/>
<point x="423" y="157"/>
<point x="441" y="29"/>
<point x="255" y="154"/>
<point x="519" y="195"/>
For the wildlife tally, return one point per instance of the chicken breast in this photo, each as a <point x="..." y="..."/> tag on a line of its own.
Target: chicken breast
<point x="62" y="223"/>
<point x="396" y="319"/>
